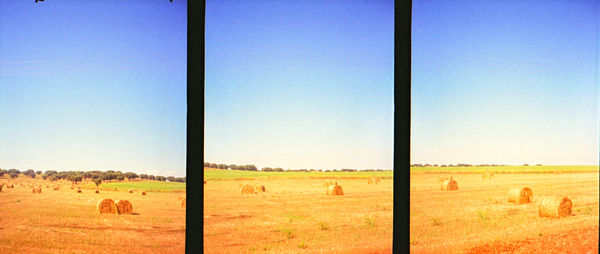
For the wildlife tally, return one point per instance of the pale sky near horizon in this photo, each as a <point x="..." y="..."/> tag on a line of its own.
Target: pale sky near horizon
<point x="93" y="85"/>
<point x="300" y="84"/>
<point x="505" y="82"/>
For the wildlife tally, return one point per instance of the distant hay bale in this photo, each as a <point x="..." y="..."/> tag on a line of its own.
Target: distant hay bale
<point x="106" y="205"/>
<point x="555" y="207"/>
<point x="124" y="207"/>
<point x="55" y="188"/>
<point x="37" y="189"/>
<point x="259" y="188"/>
<point x="97" y="191"/>
<point x="335" y="190"/>
<point x="11" y="186"/>
<point x="183" y="202"/>
<point x="520" y="195"/>
<point x="449" y="184"/>
<point x="78" y="190"/>
<point x="487" y="175"/>
<point x="143" y="193"/>
<point x="377" y="180"/>
<point x="130" y="191"/>
<point x="247" y="189"/>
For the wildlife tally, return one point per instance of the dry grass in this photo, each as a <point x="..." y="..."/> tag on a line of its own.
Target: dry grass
<point x="37" y="189"/>
<point x="479" y="214"/>
<point x="294" y="211"/>
<point x="520" y="195"/>
<point x="555" y="207"/>
<point x="64" y="221"/>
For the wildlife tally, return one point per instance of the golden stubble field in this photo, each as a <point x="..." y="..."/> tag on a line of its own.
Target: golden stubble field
<point x="479" y="214"/>
<point x="65" y="221"/>
<point x="295" y="216"/>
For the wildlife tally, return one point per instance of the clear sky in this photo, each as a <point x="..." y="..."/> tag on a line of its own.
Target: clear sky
<point x="300" y="84"/>
<point x="505" y="82"/>
<point x="93" y="85"/>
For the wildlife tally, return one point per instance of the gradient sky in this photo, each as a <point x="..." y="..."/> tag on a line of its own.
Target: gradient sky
<point x="93" y="85"/>
<point x="300" y="84"/>
<point x="505" y="82"/>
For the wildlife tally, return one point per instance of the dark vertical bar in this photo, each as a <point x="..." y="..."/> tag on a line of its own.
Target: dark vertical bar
<point x="195" y="127"/>
<point x="402" y="68"/>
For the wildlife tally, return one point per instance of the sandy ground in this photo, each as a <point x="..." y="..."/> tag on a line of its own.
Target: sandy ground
<point x="295" y="216"/>
<point x="478" y="219"/>
<point x="64" y="221"/>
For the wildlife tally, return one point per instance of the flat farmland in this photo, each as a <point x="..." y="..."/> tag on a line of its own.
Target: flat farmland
<point x="477" y="218"/>
<point x="64" y="221"/>
<point x="295" y="215"/>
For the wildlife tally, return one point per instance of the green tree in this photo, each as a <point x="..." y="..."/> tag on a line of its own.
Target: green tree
<point x="97" y="181"/>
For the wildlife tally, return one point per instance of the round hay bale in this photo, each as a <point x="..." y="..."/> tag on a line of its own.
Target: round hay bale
<point x="555" y="207"/>
<point x="130" y="191"/>
<point x="37" y="190"/>
<point x="143" y="193"/>
<point x="259" y="188"/>
<point x="449" y="184"/>
<point x="97" y="191"/>
<point x="55" y="188"/>
<point x="123" y="207"/>
<point x="520" y="195"/>
<point x="11" y="186"/>
<point x="106" y="205"/>
<point x="78" y="190"/>
<point x="183" y="203"/>
<point x="335" y="190"/>
<point x="247" y="189"/>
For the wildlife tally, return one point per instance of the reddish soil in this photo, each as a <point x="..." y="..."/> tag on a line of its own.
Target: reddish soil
<point x="573" y="241"/>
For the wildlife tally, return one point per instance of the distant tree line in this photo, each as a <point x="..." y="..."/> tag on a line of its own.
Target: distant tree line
<point x="279" y="169"/>
<point x="232" y="166"/>
<point x="78" y="176"/>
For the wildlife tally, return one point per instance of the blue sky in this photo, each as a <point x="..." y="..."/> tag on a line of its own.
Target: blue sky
<point x="93" y="85"/>
<point x="505" y="82"/>
<point x="300" y="84"/>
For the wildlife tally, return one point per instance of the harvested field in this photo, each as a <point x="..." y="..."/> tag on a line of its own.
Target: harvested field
<point x="64" y="220"/>
<point x="297" y="212"/>
<point x="478" y="218"/>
